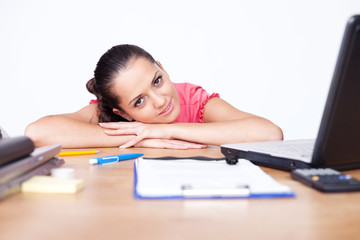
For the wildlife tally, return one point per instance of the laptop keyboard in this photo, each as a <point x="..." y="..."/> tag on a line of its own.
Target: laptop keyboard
<point x="302" y="149"/>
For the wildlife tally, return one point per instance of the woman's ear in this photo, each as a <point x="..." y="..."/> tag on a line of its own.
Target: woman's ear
<point x="122" y="114"/>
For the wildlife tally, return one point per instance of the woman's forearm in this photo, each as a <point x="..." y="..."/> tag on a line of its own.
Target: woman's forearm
<point x="244" y="130"/>
<point x="71" y="133"/>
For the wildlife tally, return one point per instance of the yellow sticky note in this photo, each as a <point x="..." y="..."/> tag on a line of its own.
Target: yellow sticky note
<point x="46" y="184"/>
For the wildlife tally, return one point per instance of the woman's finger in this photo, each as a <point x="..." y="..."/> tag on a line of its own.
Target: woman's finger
<point x="170" y="144"/>
<point x="185" y="144"/>
<point x="116" y="132"/>
<point x="116" y="125"/>
<point x="136" y="139"/>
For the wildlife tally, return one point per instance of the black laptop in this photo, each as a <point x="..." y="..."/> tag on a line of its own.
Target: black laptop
<point x="338" y="141"/>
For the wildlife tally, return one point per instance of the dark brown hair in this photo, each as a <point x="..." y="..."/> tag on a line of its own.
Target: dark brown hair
<point x="110" y="64"/>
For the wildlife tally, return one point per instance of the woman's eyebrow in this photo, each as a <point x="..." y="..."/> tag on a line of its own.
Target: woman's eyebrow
<point x="156" y="73"/>
<point x="135" y="98"/>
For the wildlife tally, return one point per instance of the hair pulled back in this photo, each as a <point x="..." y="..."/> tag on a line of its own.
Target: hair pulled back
<point x="108" y="67"/>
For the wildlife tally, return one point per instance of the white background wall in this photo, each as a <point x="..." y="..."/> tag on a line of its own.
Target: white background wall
<point x="271" y="58"/>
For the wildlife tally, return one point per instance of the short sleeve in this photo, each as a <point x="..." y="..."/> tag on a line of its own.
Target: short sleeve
<point x="192" y="99"/>
<point x="203" y="103"/>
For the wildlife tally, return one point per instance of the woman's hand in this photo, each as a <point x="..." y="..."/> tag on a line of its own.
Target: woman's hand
<point x="147" y="135"/>
<point x="170" y="144"/>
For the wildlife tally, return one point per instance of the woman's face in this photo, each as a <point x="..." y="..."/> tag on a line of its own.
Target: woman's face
<point x="146" y="93"/>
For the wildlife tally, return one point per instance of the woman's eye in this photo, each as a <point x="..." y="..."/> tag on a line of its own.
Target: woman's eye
<point x="157" y="81"/>
<point x="139" y="102"/>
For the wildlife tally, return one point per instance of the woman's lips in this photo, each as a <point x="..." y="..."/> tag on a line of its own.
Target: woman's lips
<point x="168" y="109"/>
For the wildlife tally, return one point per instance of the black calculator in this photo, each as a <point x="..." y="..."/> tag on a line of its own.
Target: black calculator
<point x="326" y="180"/>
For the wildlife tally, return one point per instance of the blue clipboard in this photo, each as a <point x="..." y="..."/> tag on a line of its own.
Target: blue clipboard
<point x="148" y="184"/>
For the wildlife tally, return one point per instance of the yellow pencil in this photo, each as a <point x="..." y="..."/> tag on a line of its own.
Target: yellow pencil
<point x="62" y="154"/>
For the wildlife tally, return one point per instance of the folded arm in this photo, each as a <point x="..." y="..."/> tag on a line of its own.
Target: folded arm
<point x="223" y="124"/>
<point x="73" y="130"/>
<point x="81" y="130"/>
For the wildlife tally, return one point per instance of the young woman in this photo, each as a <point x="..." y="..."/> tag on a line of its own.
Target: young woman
<point x="138" y="105"/>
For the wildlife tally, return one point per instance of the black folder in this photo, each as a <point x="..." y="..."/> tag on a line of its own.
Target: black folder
<point x="12" y="149"/>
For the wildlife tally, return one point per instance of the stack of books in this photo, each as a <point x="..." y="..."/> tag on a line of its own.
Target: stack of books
<point x="20" y="160"/>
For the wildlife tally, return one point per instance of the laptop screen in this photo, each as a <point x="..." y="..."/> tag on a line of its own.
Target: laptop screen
<point x="338" y="138"/>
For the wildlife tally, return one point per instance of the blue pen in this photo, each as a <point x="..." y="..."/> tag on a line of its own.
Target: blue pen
<point x="114" y="158"/>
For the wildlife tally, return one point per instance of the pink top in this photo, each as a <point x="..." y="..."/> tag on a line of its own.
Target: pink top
<point x="192" y="100"/>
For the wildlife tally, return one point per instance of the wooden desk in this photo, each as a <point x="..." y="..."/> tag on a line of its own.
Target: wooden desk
<point x="106" y="209"/>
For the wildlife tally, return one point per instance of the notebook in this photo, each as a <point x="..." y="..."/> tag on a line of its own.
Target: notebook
<point x="14" y="185"/>
<point x="38" y="162"/>
<point x="338" y="139"/>
<point x="19" y="167"/>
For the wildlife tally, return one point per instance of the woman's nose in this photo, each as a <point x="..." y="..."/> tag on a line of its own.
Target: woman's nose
<point x="159" y="101"/>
